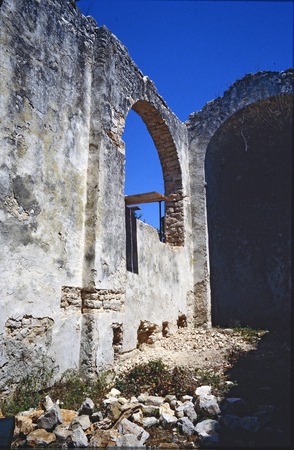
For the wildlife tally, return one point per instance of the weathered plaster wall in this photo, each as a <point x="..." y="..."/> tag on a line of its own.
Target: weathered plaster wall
<point x="117" y="86"/>
<point x="66" y="88"/>
<point x="249" y="178"/>
<point x="245" y="138"/>
<point x="45" y="101"/>
<point x="160" y="292"/>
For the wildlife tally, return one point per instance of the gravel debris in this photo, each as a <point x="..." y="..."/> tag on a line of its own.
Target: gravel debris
<point x="207" y="348"/>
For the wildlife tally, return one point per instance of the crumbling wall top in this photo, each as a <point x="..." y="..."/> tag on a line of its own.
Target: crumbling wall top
<point x="249" y="89"/>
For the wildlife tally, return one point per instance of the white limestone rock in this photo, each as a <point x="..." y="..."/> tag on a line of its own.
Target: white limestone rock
<point x="166" y="409"/>
<point x="128" y="427"/>
<point x="169" y="398"/>
<point x="207" y="426"/>
<point x="203" y="390"/>
<point x="138" y="417"/>
<point x="40" y="437"/>
<point x="186" y="426"/>
<point x="207" y="431"/>
<point x="207" y="405"/>
<point x="187" y="398"/>
<point x="168" y="420"/>
<point x="96" y="416"/>
<point x="62" y="433"/>
<point x="113" y="393"/>
<point x="47" y="403"/>
<point x="80" y="421"/>
<point x="50" y="419"/>
<point x="154" y="400"/>
<point x="143" y="397"/>
<point x="78" y="438"/>
<point x="23" y="425"/>
<point x="189" y="411"/>
<point x="149" y="422"/>
<point x="128" y="440"/>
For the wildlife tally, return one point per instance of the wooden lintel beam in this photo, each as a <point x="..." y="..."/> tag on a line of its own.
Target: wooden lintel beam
<point x="148" y="197"/>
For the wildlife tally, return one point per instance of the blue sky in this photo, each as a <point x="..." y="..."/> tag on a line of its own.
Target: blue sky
<point x="193" y="51"/>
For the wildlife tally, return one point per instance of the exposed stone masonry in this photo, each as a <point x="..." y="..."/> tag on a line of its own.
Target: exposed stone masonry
<point x="103" y="299"/>
<point x="97" y="300"/>
<point x="71" y="297"/>
<point x="28" y="328"/>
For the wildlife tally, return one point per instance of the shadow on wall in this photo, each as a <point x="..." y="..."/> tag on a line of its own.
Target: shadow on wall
<point x="248" y="175"/>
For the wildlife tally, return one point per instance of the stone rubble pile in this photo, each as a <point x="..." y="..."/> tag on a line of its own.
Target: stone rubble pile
<point x="129" y="422"/>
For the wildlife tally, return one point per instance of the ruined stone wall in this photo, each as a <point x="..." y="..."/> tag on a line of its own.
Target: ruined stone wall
<point x="67" y="298"/>
<point x="155" y="288"/>
<point x="240" y="167"/>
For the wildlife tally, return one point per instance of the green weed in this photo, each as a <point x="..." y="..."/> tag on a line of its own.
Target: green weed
<point x="147" y="377"/>
<point x="250" y="335"/>
<point x="156" y="378"/>
<point x="72" y="389"/>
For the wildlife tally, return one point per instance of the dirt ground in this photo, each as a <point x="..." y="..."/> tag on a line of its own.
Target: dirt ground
<point x="201" y="347"/>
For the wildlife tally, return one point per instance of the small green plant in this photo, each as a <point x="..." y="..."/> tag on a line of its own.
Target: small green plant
<point x="156" y="378"/>
<point x="250" y="335"/>
<point x="72" y="389"/>
<point x="147" y="377"/>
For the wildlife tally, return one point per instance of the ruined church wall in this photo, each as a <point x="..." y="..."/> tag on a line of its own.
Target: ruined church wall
<point x="161" y="289"/>
<point x="66" y="89"/>
<point x="118" y="85"/>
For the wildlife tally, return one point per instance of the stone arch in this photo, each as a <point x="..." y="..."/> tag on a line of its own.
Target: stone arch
<point x="202" y="126"/>
<point x="116" y="86"/>
<point x="248" y="176"/>
<point x="171" y="169"/>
